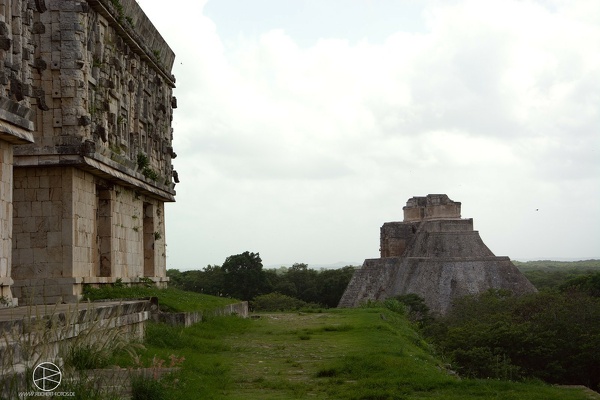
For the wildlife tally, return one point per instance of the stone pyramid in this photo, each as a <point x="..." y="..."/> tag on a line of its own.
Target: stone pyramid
<point x="433" y="253"/>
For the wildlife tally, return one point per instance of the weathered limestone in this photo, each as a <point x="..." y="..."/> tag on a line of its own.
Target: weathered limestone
<point x="91" y="80"/>
<point x="435" y="254"/>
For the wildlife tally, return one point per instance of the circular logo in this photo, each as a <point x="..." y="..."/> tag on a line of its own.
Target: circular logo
<point x="46" y="376"/>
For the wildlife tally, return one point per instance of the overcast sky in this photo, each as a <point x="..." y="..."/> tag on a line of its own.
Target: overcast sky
<point x="304" y="125"/>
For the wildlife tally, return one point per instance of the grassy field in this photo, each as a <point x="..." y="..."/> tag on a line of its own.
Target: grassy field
<point x="368" y="353"/>
<point x="170" y="299"/>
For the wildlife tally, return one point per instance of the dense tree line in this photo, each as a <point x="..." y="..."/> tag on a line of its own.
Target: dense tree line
<point x="243" y="277"/>
<point x="553" y="335"/>
<point x="551" y="274"/>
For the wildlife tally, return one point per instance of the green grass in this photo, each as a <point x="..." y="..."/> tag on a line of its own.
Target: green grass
<point x="339" y="354"/>
<point x="170" y="299"/>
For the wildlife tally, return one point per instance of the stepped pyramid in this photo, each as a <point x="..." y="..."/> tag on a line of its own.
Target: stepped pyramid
<point x="433" y="253"/>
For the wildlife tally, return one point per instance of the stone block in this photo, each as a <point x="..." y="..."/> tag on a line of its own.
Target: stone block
<point x="54" y="239"/>
<point x="36" y="209"/>
<point x="22" y="241"/>
<point x="47" y="208"/>
<point x="39" y="240"/>
<point x="22" y="209"/>
<point x="40" y="256"/>
<point x="55" y="255"/>
<point x="29" y="225"/>
<point x="44" y="182"/>
<point x="33" y="182"/>
<point x="18" y="194"/>
<point x="43" y="195"/>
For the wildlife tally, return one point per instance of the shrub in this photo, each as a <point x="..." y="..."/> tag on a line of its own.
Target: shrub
<point x="277" y="302"/>
<point x="395" y="306"/>
<point x="550" y="336"/>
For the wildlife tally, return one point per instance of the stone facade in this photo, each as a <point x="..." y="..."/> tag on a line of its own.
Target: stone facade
<point x="435" y="254"/>
<point x="92" y="81"/>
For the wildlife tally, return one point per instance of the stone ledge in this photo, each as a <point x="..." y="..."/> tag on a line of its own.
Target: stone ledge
<point x="456" y="259"/>
<point x="100" y="166"/>
<point x="12" y="133"/>
<point x="15" y="113"/>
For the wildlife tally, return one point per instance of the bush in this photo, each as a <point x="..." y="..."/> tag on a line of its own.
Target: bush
<point x="395" y="306"/>
<point x="277" y="302"/>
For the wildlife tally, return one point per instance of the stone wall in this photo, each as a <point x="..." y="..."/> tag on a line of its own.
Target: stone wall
<point x="44" y="333"/>
<point x="73" y="228"/>
<point x="190" y="318"/>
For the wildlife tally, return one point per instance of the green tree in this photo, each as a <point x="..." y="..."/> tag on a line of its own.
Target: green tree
<point x="176" y="277"/>
<point x="589" y="284"/>
<point x="243" y="276"/>
<point x="210" y="280"/>
<point x="305" y="281"/>
<point x="332" y="283"/>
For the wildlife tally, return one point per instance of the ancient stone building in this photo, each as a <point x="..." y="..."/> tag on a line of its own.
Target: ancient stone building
<point x="433" y="253"/>
<point x="91" y="83"/>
